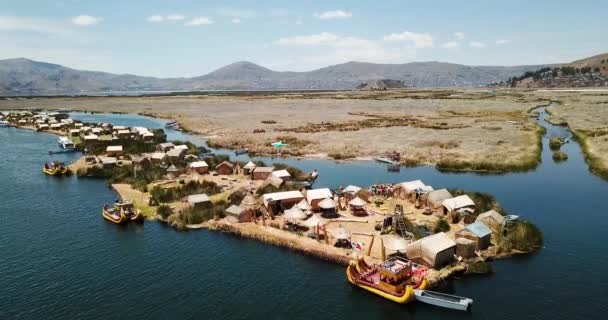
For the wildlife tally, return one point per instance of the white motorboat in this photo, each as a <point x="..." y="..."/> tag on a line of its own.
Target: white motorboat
<point x="66" y="144"/>
<point x="443" y="300"/>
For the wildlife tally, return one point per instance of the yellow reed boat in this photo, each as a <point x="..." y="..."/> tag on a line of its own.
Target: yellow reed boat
<point x="55" y="169"/>
<point x="122" y="212"/>
<point x="395" y="279"/>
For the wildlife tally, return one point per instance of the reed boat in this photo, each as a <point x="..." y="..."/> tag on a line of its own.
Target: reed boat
<point x="122" y="212"/>
<point x="395" y="279"/>
<point x="55" y="169"/>
<point x="241" y="151"/>
<point x="5" y="123"/>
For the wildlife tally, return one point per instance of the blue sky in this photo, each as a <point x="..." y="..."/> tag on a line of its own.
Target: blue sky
<point x="189" y="38"/>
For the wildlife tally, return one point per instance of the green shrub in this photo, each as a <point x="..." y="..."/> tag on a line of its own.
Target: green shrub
<point x="521" y="236"/>
<point x="479" y="267"/>
<point x="556" y="142"/>
<point x="559" y="156"/>
<point x="441" y="226"/>
<point x="164" y="211"/>
<point x="165" y="195"/>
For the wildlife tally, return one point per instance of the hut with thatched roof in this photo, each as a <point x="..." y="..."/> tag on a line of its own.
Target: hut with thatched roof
<point x="435" y="250"/>
<point x="314" y="196"/>
<point x="237" y="214"/>
<point x="493" y="220"/>
<point x="350" y="192"/>
<point x="225" y="168"/>
<point x="328" y="207"/>
<point x="404" y="190"/>
<point x="172" y="171"/>
<point x="250" y="204"/>
<point x="459" y="204"/>
<point x="262" y="173"/>
<point x="200" y="167"/>
<point x="294" y="215"/>
<point x="435" y="198"/>
<point x="248" y="167"/>
<point x="357" y="206"/>
<point x="199" y="200"/>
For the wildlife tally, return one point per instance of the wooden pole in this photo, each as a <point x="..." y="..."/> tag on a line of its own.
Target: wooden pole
<point x="383" y="249"/>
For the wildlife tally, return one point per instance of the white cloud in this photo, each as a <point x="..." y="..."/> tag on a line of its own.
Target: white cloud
<point x="86" y="20"/>
<point x="451" y="45"/>
<point x="12" y="23"/>
<point x="335" y="14"/>
<point x="502" y="41"/>
<point x="200" y="21"/>
<point x="458" y="35"/>
<point x="156" y="18"/>
<point x="476" y="44"/>
<point x="236" y="20"/>
<point x="175" y="17"/>
<point x="419" y="40"/>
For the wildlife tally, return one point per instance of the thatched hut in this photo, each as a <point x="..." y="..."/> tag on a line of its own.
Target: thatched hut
<point x="328" y="207"/>
<point x="435" y="198"/>
<point x="405" y="190"/>
<point x="248" y="167"/>
<point x="493" y="220"/>
<point x="350" y="192"/>
<point x="465" y="248"/>
<point x="262" y="173"/>
<point x="436" y="250"/>
<point x="477" y="232"/>
<point x="357" y="206"/>
<point x="461" y="203"/>
<point x="199" y="200"/>
<point x="225" y="168"/>
<point x="200" y="167"/>
<point x="315" y="196"/>
<point x="237" y="214"/>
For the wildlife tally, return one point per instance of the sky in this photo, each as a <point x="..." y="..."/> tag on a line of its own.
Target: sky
<point x="180" y="38"/>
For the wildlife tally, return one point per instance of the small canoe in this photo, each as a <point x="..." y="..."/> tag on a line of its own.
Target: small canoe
<point x="443" y="300"/>
<point x="241" y="151"/>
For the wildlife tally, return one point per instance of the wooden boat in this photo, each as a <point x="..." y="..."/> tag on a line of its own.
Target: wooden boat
<point x="395" y="279"/>
<point x="55" y="169"/>
<point x="122" y="212"/>
<point x="444" y="300"/>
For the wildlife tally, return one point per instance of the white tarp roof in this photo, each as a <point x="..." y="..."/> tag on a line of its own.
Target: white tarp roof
<point x="315" y="194"/>
<point x="91" y="137"/>
<point x="198" y="198"/>
<point x="281" y="174"/>
<point x="439" y="195"/>
<point x="491" y="215"/>
<point x="436" y="243"/>
<point x="458" y="202"/>
<point x="182" y="147"/>
<point x="114" y="149"/>
<point x="410" y="186"/>
<point x="351" y="189"/>
<point x="278" y="196"/>
<point x="198" y="164"/>
<point x="158" y="155"/>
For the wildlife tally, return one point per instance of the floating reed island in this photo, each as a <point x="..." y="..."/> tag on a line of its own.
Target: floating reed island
<point x="448" y="231"/>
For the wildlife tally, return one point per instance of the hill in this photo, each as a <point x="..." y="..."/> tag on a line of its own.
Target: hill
<point x="588" y="72"/>
<point x="27" y="77"/>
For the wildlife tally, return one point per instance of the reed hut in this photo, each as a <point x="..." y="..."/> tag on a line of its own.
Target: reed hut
<point x="465" y="248"/>
<point x="492" y="219"/>
<point x="350" y="192"/>
<point x="305" y="206"/>
<point x="314" y="196"/>
<point x="236" y="214"/>
<point x="280" y="201"/>
<point x="158" y="157"/>
<point x="248" y="168"/>
<point x="294" y="215"/>
<point x="407" y="190"/>
<point x="165" y="146"/>
<point x="328" y="207"/>
<point x="114" y="151"/>
<point x="176" y="154"/>
<point x="435" y="198"/>
<point x="200" y="167"/>
<point x="250" y="205"/>
<point x="460" y="203"/>
<point x="172" y="172"/>
<point x="477" y="232"/>
<point x="262" y="173"/>
<point x="282" y="174"/>
<point x="225" y="168"/>
<point x="435" y="251"/>
<point x="357" y="206"/>
<point x="199" y="201"/>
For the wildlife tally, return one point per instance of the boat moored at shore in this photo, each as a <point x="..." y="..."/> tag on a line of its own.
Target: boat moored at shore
<point x="66" y="144"/>
<point x="121" y="212"/>
<point x="395" y="279"/>
<point x="55" y="169"/>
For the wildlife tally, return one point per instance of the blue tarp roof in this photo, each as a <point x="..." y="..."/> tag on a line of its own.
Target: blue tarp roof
<point x="479" y="229"/>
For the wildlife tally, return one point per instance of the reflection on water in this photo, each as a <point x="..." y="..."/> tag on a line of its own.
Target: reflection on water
<point x="60" y="259"/>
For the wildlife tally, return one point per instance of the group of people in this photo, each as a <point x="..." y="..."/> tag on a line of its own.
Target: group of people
<point x="384" y="190"/>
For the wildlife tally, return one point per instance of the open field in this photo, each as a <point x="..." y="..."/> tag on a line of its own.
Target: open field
<point x="586" y="114"/>
<point x="464" y="129"/>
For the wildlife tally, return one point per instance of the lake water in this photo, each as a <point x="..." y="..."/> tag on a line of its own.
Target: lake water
<point x="60" y="259"/>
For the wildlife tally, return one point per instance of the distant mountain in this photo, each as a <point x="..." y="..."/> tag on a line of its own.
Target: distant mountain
<point x="27" y="77"/>
<point x="588" y="72"/>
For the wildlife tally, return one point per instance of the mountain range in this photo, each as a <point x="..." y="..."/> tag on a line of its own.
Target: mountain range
<point x="23" y="77"/>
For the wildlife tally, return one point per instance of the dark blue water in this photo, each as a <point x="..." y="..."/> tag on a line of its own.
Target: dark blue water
<point x="60" y="259"/>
